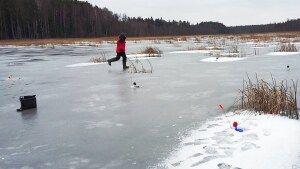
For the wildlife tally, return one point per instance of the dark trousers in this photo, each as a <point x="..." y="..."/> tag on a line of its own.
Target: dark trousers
<point x="118" y="58"/>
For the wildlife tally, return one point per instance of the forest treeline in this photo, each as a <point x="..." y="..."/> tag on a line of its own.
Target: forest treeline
<point x="71" y="18"/>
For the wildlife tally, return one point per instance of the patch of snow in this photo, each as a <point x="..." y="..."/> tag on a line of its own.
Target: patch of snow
<point x="267" y="142"/>
<point x="229" y="54"/>
<point x="296" y="43"/>
<point x="250" y="43"/>
<point x="222" y="59"/>
<point x="212" y="48"/>
<point x="193" y="51"/>
<point x="259" y="47"/>
<point x="282" y="53"/>
<point x="85" y="64"/>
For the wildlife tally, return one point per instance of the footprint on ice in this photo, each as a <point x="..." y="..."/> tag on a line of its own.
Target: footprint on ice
<point x="204" y="160"/>
<point x="196" y="155"/>
<point x="224" y="133"/>
<point x="201" y="140"/>
<point x="251" y="136"/>
<point x="224" y="166"/>
<point x="228" y="151"/>
<point x="252" y="123"/>
<point x="222" y="137"/>
<point x="202" y="130"/>
<point x="266" y="132"/>
<point x="248" y="146"/>
<point x="212" y="125"/>
<point x="192" y="143"/>
<point x="176" y="164"/>
<point x="210" y="150"/>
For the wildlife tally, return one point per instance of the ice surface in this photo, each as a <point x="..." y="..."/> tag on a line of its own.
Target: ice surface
<point x="85" y="64"/>
<point x="91" y="117"/>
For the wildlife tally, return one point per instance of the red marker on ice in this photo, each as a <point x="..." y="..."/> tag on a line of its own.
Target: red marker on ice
<point x="221" y="106"/>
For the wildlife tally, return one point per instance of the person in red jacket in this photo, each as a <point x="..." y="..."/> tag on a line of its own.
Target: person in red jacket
<point x="120" y="52"/>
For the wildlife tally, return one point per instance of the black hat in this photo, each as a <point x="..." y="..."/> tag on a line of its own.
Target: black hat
<point x="122" y="37"/>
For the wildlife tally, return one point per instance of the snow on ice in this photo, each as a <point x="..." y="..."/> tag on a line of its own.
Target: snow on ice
<point x="283" y="53"/>
<point x="267" y="142"/>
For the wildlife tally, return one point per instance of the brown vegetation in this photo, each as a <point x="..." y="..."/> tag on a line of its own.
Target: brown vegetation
<point x="292" y="36"/>
<point x="136" y="66"/>
<point x="197" y="48"/>
<point x="151" y="51"/>
<point x="270" y="98"/>
<point x="286" y="47"/>
<point x="99" y="59"/>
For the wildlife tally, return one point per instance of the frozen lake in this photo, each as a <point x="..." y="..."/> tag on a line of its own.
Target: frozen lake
<point x="90" y="117"/>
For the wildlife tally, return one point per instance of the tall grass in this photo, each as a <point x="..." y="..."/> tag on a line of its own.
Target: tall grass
<point x="197" y="48"/>
<point x="151" y="51"/>
<point x="286" y="47"/>
<point x="99" y="59"/>
<point x="136" y="66"/>
<point x="277" y="98"/>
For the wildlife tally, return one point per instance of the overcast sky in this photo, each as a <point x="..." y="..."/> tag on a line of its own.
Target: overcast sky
<point x="229" y="12"/>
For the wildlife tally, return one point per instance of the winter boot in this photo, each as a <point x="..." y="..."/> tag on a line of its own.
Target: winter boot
<point x="124" y="65"/>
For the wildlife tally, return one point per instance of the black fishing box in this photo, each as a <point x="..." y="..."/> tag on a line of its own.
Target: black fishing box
<point x="27" y="102"/>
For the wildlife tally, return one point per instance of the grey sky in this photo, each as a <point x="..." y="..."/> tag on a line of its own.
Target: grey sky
<point x="229" y="12"/>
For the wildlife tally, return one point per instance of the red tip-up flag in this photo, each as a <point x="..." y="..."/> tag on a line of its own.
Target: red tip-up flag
<point x="221" y="106"/>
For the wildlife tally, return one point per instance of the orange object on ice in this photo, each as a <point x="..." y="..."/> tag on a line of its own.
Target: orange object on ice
<point x="235" y="124"/>
<point x="221" y="106"/>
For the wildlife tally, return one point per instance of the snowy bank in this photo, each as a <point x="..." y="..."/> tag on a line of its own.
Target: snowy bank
<point x="222" y="59"/>
<point x="283" y="53"/>
<point x="267" y="142"/>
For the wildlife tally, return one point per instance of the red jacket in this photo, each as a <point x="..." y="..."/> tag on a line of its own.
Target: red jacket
<point x="120" y="46"/>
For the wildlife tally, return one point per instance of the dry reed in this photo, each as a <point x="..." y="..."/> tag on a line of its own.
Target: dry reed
<point x="270" y="98"/>
<point x="286" y="47"/>
<point x="152" y="51"/>
<point x="99" y="59"/>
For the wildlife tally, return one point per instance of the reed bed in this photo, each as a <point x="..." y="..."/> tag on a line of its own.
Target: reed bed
<point x="278" y="98"/>
<point x="99" y="59"/>
<point x="152" y="51"/>
<point x="286" y="47"/>
<point x="136" y="66"/>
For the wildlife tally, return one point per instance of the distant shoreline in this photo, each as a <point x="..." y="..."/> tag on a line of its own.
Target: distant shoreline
<point x="61" y="41"/>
